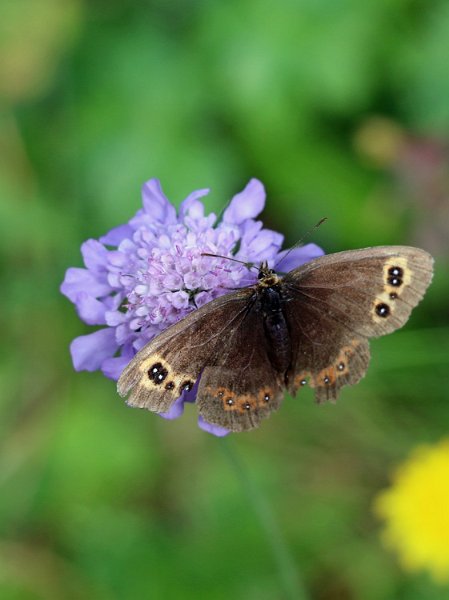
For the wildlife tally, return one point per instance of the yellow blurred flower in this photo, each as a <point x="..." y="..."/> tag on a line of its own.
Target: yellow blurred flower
<point x="416" y="511"/>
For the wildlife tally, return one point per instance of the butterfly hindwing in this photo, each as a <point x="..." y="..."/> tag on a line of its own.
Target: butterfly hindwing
<point x="242" y="387"/>
<point x="325" y="363"/>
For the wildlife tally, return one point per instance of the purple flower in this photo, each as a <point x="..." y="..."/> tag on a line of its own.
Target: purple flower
<point x="144" y="276"/>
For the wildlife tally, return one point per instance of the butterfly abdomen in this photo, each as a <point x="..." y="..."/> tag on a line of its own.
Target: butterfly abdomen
<point x="276" y="329"/>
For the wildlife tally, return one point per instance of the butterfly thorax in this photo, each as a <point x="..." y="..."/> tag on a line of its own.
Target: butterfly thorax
<point x="267" y="277"/>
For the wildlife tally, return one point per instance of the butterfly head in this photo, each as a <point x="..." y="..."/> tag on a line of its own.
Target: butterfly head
<point x="267" y="277"/>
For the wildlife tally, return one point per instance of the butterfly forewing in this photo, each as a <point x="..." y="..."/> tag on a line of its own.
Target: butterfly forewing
<point x="172" y="362"/>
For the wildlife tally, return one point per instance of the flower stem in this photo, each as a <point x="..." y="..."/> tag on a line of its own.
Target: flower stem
<point x="288" y="572"/>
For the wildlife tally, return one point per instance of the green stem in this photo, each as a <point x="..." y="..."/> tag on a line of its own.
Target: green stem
<point x="288" y="571"/>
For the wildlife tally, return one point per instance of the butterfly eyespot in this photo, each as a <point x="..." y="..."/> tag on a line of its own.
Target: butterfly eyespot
<point x="247" y="406"/>
<point x="267" y="397"/>
<point x="157" y="373"/>
<point x="229" y="401"/>
<point x="382" y="309"/>
<point x="303" y="382"/>
<point x="170" y="385"/>
<point x="326" y="380"/>
<point x="393" y="295"/>
<point x="186" y="386"/>
<point x="220" y="394"/>
<point x="341" y="366"/>
<point x="395" y="281"/>
<point x="396" y="272"/>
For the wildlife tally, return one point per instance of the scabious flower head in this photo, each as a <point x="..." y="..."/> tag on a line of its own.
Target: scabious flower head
<point x="416" y="511"/>
<point x="143" y="276"/>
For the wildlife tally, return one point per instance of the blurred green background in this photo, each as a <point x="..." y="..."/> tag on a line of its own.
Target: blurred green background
<point x="341" y="108"/>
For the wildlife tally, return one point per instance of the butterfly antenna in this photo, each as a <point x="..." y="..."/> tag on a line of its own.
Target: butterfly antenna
<point x="248" y="265"/>
<point x="299" y="242"/>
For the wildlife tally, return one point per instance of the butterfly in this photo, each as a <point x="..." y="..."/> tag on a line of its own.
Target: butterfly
<point x="308" y="327"/>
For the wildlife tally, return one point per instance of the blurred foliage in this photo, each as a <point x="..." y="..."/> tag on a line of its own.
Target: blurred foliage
<point x="340" y="108"/>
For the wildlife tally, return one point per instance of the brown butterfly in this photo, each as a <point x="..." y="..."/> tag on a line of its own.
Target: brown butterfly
<point x="309" y="327"/>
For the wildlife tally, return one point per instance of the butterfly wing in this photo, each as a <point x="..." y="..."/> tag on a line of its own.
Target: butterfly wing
<point x="336" y="302"/>
<point x="238" y="386"/>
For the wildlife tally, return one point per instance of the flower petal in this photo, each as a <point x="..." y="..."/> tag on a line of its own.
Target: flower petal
<point x="247" y="204"/>
<point x="176" y="409"/>
<point x="290" y="259"/>
<point x="263" y="246"/>
<point x="115" y="317"/>
<point x="117" y="235"/>
<point x="191" y="206"/>
<point x="94" y="255"/>
<point x="113" y="367"/>
<point x="89" y="351"/>
<point x="90" y="310"/>
<point x="213" y="429"/>
<point x="156" y="204"/>
<point x="78" y="280"/>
